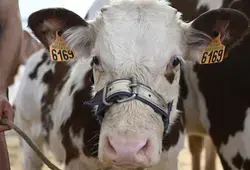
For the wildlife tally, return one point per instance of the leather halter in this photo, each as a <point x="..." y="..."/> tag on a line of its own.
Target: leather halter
<point x="127" y="89"/>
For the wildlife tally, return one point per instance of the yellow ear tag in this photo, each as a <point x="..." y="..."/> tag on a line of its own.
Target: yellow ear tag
<point x="59" y="51"/>
<point x="214" y="53"/>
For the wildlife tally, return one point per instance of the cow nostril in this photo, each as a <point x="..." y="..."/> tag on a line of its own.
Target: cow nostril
<point x="144" y="149"/>
<point x="110" y="147"/>
<point x="119" y="147"/>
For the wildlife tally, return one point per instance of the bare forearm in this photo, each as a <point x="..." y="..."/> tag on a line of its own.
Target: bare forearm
<point x="10" y="45"/>
<point x="4" y="159"/>
<point x="9" y="59"/>
<point x="10" y="41"/>
<point x="2" y="92"/>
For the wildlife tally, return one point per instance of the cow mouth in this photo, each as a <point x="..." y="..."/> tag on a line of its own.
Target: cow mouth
<point x="112" y="165"/>
<point x="126" y="167"/>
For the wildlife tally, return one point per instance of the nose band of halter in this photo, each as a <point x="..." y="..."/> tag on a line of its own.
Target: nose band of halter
<point x="123" y="90"/>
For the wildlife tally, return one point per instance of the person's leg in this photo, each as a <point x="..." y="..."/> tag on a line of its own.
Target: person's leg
<point x="4" y="157"/>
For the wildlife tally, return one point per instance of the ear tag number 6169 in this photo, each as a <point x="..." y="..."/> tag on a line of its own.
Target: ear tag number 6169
<point x="214" y="53"/>
<point x="59" y="50"/>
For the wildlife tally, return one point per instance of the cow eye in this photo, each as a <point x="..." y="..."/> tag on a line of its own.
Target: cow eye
<point x="95" y="61"/>
<point x="175" y="61"/>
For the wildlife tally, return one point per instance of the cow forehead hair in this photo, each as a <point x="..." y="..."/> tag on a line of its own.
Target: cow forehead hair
<point x="139" y="31"/>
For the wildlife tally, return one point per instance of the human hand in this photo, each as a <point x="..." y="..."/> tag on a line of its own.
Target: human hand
<point x="6" y="112"/>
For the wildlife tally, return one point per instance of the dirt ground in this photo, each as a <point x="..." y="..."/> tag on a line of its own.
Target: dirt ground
<point x="16" y="155"/>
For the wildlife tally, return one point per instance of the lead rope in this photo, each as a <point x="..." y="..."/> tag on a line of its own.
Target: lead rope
<point x="45" y="160"/>
<point x="30" y="143"/>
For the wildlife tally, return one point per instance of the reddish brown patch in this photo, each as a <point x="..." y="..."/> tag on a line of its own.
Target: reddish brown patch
<point x="55" y="81"/>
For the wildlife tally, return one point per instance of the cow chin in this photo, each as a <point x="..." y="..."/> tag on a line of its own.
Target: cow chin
<point x="131" y="136"/>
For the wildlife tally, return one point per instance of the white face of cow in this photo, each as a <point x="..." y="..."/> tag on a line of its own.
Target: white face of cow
<point x="140" y="39"/>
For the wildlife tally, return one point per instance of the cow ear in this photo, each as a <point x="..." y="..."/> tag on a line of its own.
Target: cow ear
<point x="46" y="22"/>
<point x="29" y="46"/>
<point x="230" y="24"/>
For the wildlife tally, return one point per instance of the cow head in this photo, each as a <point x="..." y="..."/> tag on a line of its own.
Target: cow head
<point x="136" y="49"/>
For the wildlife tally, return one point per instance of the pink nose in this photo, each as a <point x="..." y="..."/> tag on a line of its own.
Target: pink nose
<point x="128" y="150"/>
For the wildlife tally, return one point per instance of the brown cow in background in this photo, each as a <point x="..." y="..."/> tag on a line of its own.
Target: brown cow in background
<point x="29" y="45"/>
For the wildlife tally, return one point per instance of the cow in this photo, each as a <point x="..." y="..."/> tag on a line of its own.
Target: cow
<point x="195" y="128"/>
<point x="216" y="118"/>
<point x="194" y="125"/>
<point x="114" y="105"/>
<point x="190" y="10"/>
<point x="196" y="132"/>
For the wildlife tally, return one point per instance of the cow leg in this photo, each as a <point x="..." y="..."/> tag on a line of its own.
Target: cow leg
<point x="84" y="163"/>
<point x="195" y="147"/>
<point x="172" y="164"/>
<point x="75" y="164"/>
<point x="31" y="160"/>
<point x="169" y="157"/>
<point x="210" y="155"/>
<point x="166" y="164"/>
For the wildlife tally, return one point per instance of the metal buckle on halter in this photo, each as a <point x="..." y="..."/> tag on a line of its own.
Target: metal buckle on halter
<point x="133" y="86"/>
<point x="104" y="96"/>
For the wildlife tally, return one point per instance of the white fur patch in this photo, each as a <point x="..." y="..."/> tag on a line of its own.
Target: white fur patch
<point x="195" y="98"/>
<point x="211" y="4"/>
<point x="239" y="143"/>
